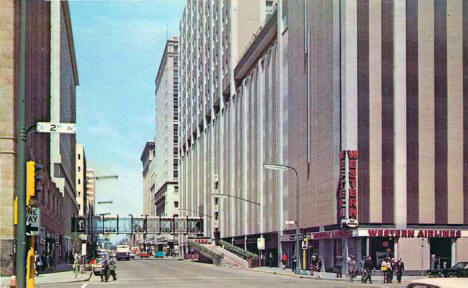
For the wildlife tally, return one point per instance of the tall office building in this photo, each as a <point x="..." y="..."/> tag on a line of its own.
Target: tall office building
<point x="164" y="168"/>
<point x="213" y="35"/>
<point x="366" y="101"/>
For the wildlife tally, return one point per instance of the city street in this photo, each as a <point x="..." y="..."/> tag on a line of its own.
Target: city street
<point x="161" y="273"/>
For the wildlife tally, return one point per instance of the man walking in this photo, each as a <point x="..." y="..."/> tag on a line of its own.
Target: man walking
<point x="284" y="260"/>
<point x="368" y="267"/>
<point x="399" y="268"/>
<point x="294" y="262"/>
<point x="339" y="265"/>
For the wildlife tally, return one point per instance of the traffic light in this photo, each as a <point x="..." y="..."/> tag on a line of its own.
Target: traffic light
<point x="78" y="224"/>
<point x="33" y="178"/>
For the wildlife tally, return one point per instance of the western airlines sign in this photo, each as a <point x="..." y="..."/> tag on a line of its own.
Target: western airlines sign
<point x="410" y="233"/>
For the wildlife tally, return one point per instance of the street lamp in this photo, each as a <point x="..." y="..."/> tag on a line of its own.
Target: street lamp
<point x="194" y="211"/>
<point x="281" y="167"/>
<point x="235" y="197"/>
<point x="131" y="227"/>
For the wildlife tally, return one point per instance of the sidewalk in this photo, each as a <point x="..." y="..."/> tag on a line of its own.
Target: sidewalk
<point x="332" y="276"/>
<point x="61" y="277"/>
<point x="44" y="276"/>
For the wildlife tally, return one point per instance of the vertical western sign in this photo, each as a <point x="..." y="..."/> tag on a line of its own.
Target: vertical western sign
<point x="348" y="188"/>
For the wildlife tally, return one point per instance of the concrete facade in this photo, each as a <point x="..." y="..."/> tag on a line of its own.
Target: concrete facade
<point x="90" y="187"/>
<point x="356" y="80"/>
<point x="164" y="168"/>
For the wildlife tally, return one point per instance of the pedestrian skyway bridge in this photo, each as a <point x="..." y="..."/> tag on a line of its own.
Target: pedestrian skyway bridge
<point x="137" y="225"/>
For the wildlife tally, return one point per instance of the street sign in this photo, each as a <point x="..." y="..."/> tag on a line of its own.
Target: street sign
<point x="84" y="237"/>
<point x="261" y="243"/>
<point x="33" y="220"/>
<point x="48" y="127"/>
<point x="292" y="237"/>
<point x="290" y="222"/>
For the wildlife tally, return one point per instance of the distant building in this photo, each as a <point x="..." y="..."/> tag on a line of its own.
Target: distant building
<point x="81" y="198"/>
<point x="148" y="186"/>
<point x="165" y="167"/>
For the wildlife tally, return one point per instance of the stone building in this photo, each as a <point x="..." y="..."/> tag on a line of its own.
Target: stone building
<point x="81" y="195"/>
<point x="164" y="168"/>
<point x="51" y="78"/>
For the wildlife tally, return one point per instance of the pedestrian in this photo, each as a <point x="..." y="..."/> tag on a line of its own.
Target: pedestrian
<point x="313" y="264"/>
<point x="352" y="268"/>
<point x="270" y="257"/>
<point x="390" y="270"/>
<point x="284" y="260"/>
<point x="37" y="262"/>
<point x="104" y="270"/>
<point x="76" y="265"/>
<point x="368" y="267"/>
<point x="399" y="268"/>
<point x="383" y="268"/>
<point x="319" y="266"/>
<point x="112" y="267"/>
<point x="294" y="262"/>
<point x="339" y="265"/>
<point x="48" y="261"/>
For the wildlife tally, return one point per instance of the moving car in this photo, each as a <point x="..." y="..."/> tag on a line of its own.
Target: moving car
<point x="438" y="283"/>
<point x="143" y="254"/>
<point x="458" y="270"/>
<point x="122" y="252"/>
<point x="132" y="255"/>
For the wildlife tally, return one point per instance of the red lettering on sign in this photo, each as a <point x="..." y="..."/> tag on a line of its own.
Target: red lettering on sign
<point x="353" y="154"/>
<point x="372" y="232"/>
<point x="458" y="234"/>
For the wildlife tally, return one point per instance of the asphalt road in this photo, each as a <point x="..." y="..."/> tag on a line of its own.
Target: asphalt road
<point x="167" y="273"/>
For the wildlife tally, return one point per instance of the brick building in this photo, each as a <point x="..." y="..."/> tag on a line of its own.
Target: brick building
<point x="50" y="62"/>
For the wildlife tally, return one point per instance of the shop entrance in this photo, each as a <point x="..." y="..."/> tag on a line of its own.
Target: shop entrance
<point x="442" y="247"/>
<point x="380" y="248"/>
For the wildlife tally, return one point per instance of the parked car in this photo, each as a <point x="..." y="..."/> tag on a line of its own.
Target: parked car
<point x="438" y="283"/>
<point x="458" y="270"/>
<point x="159" y="254"/>
<point x="143" y="254"/>
<point x="132" y="255"/>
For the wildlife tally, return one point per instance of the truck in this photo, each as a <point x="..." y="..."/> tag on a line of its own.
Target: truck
<point x="122" y="252"/>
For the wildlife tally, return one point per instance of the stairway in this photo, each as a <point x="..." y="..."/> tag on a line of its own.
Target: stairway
<point x="229" y="258"/>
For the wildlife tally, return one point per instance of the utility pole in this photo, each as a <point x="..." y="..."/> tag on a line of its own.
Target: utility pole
<point x="20" y="151"/>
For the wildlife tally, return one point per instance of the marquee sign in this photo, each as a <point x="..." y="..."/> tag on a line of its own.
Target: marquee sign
<point x="348" y="188"/>
<point x="331" y="234"/>
<point x="411" y="233"/>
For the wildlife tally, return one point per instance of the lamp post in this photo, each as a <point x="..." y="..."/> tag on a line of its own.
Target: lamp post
<point x="131" y="228"/>
<point x="281" y="167"/>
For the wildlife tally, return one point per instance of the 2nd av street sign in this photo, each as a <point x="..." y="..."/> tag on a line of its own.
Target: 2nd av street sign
<point x="48" y="127"/>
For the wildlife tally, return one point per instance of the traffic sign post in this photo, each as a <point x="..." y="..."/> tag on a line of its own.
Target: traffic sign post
<point x="48" y="127"/>
<point x="33" y="220"/>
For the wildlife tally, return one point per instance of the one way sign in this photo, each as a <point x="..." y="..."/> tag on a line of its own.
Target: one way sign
<point x="33" y="220"/>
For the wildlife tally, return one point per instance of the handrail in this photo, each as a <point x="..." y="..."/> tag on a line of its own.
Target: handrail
<point x="238" y="251"/>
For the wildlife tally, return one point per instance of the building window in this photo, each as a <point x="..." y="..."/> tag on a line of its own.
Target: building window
<point x="79" y="168"/>
<point x="79" y="156"/>
<point x="176" y="204"/>
<point x="79" y="181"/>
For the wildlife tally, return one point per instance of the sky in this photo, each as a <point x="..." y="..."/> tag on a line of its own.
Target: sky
<point x="118" y="46"/>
